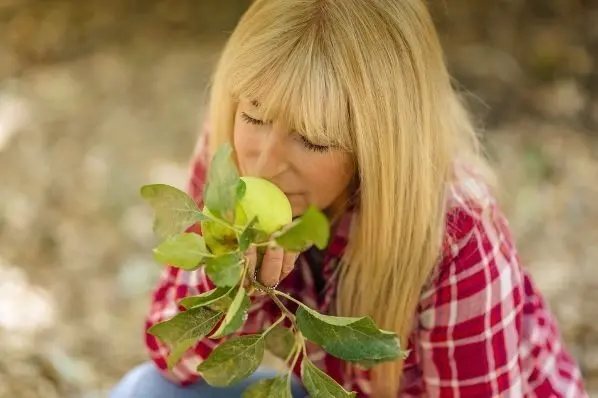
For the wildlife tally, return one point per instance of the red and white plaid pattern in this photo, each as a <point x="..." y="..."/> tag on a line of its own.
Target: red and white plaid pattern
<point x="482" y="330"/>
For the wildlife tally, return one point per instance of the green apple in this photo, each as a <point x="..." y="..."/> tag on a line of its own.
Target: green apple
<point x="262" y="199"/>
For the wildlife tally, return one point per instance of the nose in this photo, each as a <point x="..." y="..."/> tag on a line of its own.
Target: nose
<point x="271" y="157"/>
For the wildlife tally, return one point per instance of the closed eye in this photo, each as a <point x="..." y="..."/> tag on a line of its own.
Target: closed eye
<point x="306" y="143"/>
<point x="250" y="120"/>
<point x="313" y="147"/>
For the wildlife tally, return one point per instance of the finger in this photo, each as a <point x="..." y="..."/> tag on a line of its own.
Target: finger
<point x="251" y="254"/>
<point x="271" y="266"/>
<point x="288" y="264"/>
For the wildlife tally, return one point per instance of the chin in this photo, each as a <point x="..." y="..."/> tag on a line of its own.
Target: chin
<point x="297" y="212"/>
<point x="298" y="208"/>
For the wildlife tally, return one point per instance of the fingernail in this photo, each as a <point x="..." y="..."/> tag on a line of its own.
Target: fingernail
<point x="269" y="284"/>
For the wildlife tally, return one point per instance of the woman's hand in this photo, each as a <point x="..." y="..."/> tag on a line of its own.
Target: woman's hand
<point x="276" y="265"/>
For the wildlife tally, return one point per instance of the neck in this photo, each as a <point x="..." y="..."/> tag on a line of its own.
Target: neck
<point x="339" y="207"/>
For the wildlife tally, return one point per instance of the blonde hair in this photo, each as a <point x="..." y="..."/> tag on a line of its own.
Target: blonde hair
<point x="370" y="77"/>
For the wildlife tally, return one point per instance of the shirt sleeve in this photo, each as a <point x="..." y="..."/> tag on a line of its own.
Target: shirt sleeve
<point x="470" y="318"/>
<point x="174" y="284"/>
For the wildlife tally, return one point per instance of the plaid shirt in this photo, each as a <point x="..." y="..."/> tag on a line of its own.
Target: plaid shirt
<point x="482" y="329"/>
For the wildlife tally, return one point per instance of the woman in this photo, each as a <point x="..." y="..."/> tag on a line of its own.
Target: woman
<point x="347" y="105"/>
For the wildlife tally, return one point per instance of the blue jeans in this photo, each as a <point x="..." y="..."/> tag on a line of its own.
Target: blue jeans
<point x="145" y="381"/>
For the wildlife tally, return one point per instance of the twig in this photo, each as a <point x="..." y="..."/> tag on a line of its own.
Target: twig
<point x="303" y="347"/>
<point x="274" y="325"/>
<point x="243" y="275"/>
<point x="289" y="314"/>
<point x="293" y="351"/>
<point x="295" y="359"/>
<point x="289" y="298"/>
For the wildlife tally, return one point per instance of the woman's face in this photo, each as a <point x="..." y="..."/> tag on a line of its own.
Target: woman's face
<point x="306" y="172"/>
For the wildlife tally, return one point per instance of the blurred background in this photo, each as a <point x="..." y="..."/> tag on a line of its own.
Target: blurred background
<point x="100" y="97"/>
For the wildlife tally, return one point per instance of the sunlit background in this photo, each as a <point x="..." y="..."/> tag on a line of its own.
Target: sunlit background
<point x="98" y="97"/>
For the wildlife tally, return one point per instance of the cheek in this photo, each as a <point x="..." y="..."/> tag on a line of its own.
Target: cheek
<point x="328" y="179"/>
<point x="243" y="145"/>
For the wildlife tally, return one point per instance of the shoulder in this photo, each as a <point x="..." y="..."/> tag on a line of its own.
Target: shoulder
<point x="477" y="232"/>
<point x="479" y="265"/>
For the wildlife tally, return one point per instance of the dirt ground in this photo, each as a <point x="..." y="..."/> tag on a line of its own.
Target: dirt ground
<point x="89" y="114"/>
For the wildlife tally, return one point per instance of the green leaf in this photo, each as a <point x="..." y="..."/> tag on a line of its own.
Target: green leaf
<point x="241" y="188"/>
<point x="233" y="361"/>
<point x="350" y="339"/>
<point x="221" y="189"/>
<point x="280" y="341"/>
<point x="224" y="270"/>
<point x="319" y="385"/>
<point x="248" y="235"/>
<point x="216" y="299"/>
<point x="174" y="210"/>
<point x="277" y="387"/>
<point x="311" y="228"/>
<point x="184" y="329"/>
<point x="236" y="315"/>
<point x="186" y="251"/>
<point x="178" y="351"/>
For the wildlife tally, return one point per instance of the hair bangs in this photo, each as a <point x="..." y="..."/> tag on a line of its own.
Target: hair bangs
<point x="295" y="85"/>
